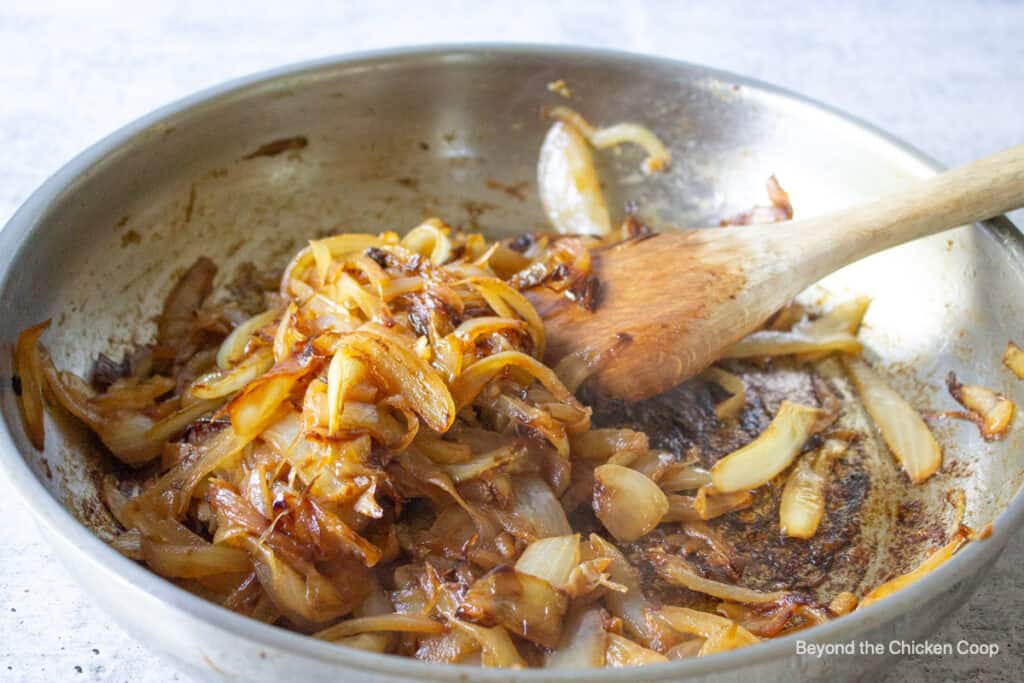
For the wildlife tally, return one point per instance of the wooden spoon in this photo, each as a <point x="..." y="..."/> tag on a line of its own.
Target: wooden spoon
<point x="672" y="303"/>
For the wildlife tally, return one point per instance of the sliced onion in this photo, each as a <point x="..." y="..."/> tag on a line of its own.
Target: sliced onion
<point x="678" y="572"/>
<point x="471" y="382"/>
<point x="630" y="605"/>
<point x="344" y="370"/>
<point x="404" y="372"/>
<point x="930" y="564"/>
<point x="430" y="240"/>
<point x="623" y="652"/>
<point x="397" y="623"/>
<point x="257" y="406"/>
<point x="28" y="367"/>
<point x="732" y="406"/>
<point x="536" y="502"/>
<point x="233" y="347"/>
<point x="225" y="382"/>
<point x="176" y="422"/>
<point x="628" y="503"/>
<point x="480" y="465"/>
<point x="506" y="302"/>
<point x="1013" y="358"/>
<point x="710" y="502"/>
<point x="551" y="559"/>
<point x="191" y="561"/>
<point x="497" y="648"/>
<point x="525" y="605"/>
<point x="803" y="501"/>
<point x="338" y="246"/>
<point x="583" y="644"/>
<point x="598" y="445"/>
<point x="695" y="622"/>
<point x="771" y="452"/>
<point x="678" y="477"/>
<point x="658" y="157"/>
<point x="570" y="190"/>
<point x="842" y="603"/>
<point x="803" y="497"/>
<point x="843" y="318"/>
<point x="906" y="434"/>
<point x="772" y="343"/>
<point x="991" y="411"/>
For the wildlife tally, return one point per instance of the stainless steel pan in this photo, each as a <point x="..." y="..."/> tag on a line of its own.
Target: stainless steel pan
<point x="396" y="136"/>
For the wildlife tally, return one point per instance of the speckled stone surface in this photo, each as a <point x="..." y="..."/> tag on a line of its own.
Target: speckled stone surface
<point x="946" y="76"/>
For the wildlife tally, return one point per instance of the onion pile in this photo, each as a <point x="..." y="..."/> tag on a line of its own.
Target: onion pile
<point x="372" y="450"/>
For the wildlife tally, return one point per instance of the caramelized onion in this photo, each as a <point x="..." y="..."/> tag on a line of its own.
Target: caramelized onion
<point x="28" y="367"/>
<point x="676" y="571"/>
<point x="1013" y="358"/>
<point x="583" y="643"/>
<point x="622" y="652"/>
<point x="803" y="498"/>
<point x="523" y="604"/>
<point x="658" y="157"/>
<point x="497" y="648"/>
<point x="401" y="623"/>
<point x="930" y="564"/>
<point x="732" y="406"/>
<point x="772" y="343"/>
<point x="990" y="410"/>
<point x="770" y="453"/>
<point x="551" y="559"/>
<point x="628" y="503"/>
<point x="569" y="187"/>
<point x="906" y="434"/>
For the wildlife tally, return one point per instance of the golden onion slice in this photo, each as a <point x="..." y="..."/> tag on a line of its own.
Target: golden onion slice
<point x="902" y="428"/>
<point x="772" y="343"/>
<point x="1013" y="358"/>
<point x="771" y="452"/>
<point x="658" y="157"/>
<point x="28" y="367"/>
<point x="627" y="502"/>
<point x="930" y="564"/>
<point x="732" y="406"/>
<point x="496" y="647"/>
<point x="551" y="559"/>
<point x="678" y="572"/>
<point x="570" y="190"/>
<point x="583" y="643"/>
<point x="622" y="652"/>
<point x="398" y="623"/>
<point x="525" y="605"/>
<point x="803" y="497"/>
<point x="990" y="410"/>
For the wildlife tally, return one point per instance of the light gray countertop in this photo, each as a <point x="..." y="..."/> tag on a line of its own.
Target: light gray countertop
<point x="946" y="76"/>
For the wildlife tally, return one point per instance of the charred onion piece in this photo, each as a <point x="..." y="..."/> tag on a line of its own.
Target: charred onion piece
<point x="906" y="434"/>
<point x="770" y="453"/>
<point x="990" y="410"/>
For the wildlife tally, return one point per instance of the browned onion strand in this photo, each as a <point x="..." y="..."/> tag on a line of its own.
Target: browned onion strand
<point x="373" y="451"/>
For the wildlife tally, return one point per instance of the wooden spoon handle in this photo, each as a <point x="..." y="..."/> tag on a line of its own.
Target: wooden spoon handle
<point x="978" y="191"/>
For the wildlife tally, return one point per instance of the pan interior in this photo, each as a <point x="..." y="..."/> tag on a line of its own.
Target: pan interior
<point x="390" y="142"/>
